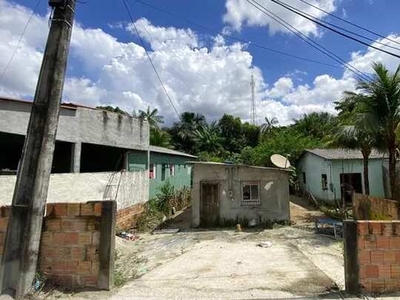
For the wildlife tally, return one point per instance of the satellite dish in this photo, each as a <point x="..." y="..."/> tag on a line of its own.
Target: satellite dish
<point x="280" y="161"/>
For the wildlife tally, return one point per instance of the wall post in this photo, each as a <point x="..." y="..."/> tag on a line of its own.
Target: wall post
<point x="351" y="268"/>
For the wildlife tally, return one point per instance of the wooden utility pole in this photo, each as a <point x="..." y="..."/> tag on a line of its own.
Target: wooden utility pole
<point x="19" y="261"/>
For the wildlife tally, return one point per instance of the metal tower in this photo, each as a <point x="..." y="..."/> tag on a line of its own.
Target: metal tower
<point x="253" y="101"/>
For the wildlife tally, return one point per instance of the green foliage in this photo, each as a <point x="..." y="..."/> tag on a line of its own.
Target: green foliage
<point x="114" y="109"/>
<point x="160" y="138"/>
<point x="152" y="117"/>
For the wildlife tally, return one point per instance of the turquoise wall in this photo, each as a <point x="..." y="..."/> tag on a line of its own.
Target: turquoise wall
<point x="183" y="171"/>
<point x="314" y="166"/>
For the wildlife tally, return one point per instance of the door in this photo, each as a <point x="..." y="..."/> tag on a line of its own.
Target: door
<point x="350" y="183"/>
<point x="209" y="210"/>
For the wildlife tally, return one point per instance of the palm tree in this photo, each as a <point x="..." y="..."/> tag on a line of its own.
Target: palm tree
<point x="152" y="117"/>
<point x="160" y="138"/>
<point x="208" y="138"/>
<point x="381" y="105"/>
<point x="268" y="126"/>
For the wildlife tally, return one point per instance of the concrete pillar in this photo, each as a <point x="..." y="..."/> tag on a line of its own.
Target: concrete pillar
<point x="351" y="275"/>
<point x="76" y="157"/>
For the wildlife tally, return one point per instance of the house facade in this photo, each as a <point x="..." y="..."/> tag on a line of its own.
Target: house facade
<point x="330" y="174"/>
<point x="226" y="194"/>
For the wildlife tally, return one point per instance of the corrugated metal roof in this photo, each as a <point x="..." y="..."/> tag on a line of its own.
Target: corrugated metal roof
<point x="169" y="151"/>
<point x="211" y="163"/>
<point x="344" y="154"/>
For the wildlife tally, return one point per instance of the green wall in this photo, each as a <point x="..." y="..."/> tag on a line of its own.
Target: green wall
<point x="183" y="171"/>
<point x="314" y="166"/>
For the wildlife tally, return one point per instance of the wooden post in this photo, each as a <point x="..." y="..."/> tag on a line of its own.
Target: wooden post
<point x="18" y="265"/>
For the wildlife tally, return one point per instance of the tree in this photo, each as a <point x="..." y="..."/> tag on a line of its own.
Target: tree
<point x="381" y="106"/>
<point x="160" y="138"/>
<point x="113" y="109"/>
<point x="231" y="133"/>
<point x="320" y="125"/>
<point x="268" y="126"/>
<point x="207" y="138"/>
<point x="152" y="117"/>
<point x="251" y="134"/>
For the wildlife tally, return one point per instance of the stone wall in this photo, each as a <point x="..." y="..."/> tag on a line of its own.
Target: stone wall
<point x="77" y="243"/>
<point x="372" y="256"/>
<point x="374" y="208"/>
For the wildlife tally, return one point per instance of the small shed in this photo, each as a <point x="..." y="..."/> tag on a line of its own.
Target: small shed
<point x="227" y="194"/>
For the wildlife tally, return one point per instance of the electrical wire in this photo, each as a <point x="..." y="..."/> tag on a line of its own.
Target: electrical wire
<point x="149" y="57"/>
<point x="339" y="27"/>
<point x="284" y="5"/>
<point x="350" y="23"/>
<point x="20" y="40"/>
<point x="309" y="41"/>
<point x="232" y="37"/>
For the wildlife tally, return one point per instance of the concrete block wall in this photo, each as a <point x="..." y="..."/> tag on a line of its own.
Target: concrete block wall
<point x="373" y="208"/>
<point x="127" y="217"/>
<point x="77" y="243"/>
<point x="372" y="256"/>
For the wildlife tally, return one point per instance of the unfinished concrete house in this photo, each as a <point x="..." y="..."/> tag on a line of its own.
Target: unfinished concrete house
<point x="226" y="194"/>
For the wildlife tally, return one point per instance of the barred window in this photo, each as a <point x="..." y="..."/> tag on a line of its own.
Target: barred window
<point x="251" y="193"/>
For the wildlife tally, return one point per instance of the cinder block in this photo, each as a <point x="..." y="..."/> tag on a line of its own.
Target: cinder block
<point x="87" y="209"/>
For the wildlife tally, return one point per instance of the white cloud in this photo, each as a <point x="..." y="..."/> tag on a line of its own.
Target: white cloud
<point x="211" y="80"/>
<point x="241" y="13"/>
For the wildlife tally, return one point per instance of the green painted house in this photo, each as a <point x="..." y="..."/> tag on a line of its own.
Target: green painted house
<point x="163" y="164"/>
<point x="330" y="174"/>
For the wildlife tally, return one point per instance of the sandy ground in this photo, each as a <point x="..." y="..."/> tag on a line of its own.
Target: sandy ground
<point x="224" y="264"/>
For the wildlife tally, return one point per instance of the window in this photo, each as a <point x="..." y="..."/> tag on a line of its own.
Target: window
<point x="152" y="171"/>
<point x="164" y="166"/>
<point x="304" y="178"/>
<point x="324" y="181"/>
<point x="250" y="193"/>
<point x="171" y="170"/>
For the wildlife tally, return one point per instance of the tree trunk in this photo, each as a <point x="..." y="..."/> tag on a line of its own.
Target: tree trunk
<point x="366" y="173"/>
<point x="392" y="170"/>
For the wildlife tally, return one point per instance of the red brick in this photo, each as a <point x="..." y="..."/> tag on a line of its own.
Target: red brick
<point x="88" y="281"/>
<point x="66" y="238"/>
<point x="48" y="253"/>
<point x="96" y="237"/>
<point x="397" y="256"/>
<point x="391" y="285"/>
<point x="60" y="209"/>
<point x="371" y="271"/>
<point x="378" y="285"/>
<point x="365" y="285"/>
<point x="362" y="272"/>
<point x="364" y="257"/>
<point x="377" y="256"/>
<point x="87" y="209"/>
<point x="375" y="228"/>
<point x="360" y="243"/>
<point x="389" y="256"/>
<point x="3" y="224"/>
<point x="395" y="271"/>
<point x="68" y="225"/>
<point x="388" y="228"/>
<point x="84" y="268"/>
<point x="73" y="209"/>
<point x="46" y="238"/>
<point x="95" y="268"/>
<point x="92" y="225"/>
<point x="395" y="242"/>
<point x="85" y="238"/>
<point x="78" y="253"/>
<point x="397" y="226"/>
<point x="384" y="271"/>
<point x="52" y="224"/>
<point x="92" y="253"/>
<point x="383" y="242"/>
<point x="64" y="280"/>
<point x="98" y="209"/>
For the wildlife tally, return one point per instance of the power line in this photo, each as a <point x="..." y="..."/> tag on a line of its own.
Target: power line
<point x="309" y="41"/>
<point x="284" y="5"/>
<point x="350" y="23"/>
<point x="148" y="56"/>
<point x="232" y="37"/>
<point x="20" y="40"/>
<point x="339" y="27"/>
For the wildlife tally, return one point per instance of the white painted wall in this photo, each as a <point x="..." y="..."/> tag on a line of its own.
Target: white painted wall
<point x="127" y="188"/>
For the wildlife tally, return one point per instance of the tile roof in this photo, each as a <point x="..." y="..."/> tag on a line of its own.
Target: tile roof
<point x="344" y="154"/>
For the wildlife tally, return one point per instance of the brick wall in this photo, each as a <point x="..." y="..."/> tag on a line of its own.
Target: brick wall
<point x="374" y="208"/>
<point x="76" y="246"/>
<point x="127" y="217"/>
<point x="375" y="259"/>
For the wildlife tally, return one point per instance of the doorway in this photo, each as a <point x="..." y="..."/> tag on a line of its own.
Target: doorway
<point x="209" y="207"/>
<point x="350" y="183"/>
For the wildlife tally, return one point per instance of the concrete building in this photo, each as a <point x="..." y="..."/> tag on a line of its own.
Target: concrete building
<point x="226" y="194"/>
<point x="329" y="173"/>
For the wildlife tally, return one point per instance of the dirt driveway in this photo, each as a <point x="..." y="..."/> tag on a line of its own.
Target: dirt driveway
<point x="225" y="264"/>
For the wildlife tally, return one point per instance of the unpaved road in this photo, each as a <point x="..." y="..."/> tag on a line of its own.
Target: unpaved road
<point x="224" y="264"/>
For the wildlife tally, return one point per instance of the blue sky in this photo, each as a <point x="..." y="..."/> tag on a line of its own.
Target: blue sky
<point x="286" y="87"/>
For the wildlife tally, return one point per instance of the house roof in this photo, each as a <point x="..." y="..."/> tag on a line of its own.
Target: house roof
<point x="344" y="154"/>
<point x="210" y="163"/>
<point x="169" y="151"/>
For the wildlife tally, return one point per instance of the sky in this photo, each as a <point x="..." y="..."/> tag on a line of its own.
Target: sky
<point x="202" y="69"/>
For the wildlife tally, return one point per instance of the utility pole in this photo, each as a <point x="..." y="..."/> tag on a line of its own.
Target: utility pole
<point x="253" y="101"/>
<point x="21" y="249"/>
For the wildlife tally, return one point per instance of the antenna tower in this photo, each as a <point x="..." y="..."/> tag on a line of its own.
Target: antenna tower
<point x="253" y="101"/>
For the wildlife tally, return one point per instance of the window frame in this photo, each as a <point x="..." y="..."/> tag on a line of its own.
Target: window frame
<point x="153" y="171"/>
<point x="251" y="201"/>
<point x="324" y="182"/>
<point x="304" y="178"/>
<point x="171" y="170"/>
